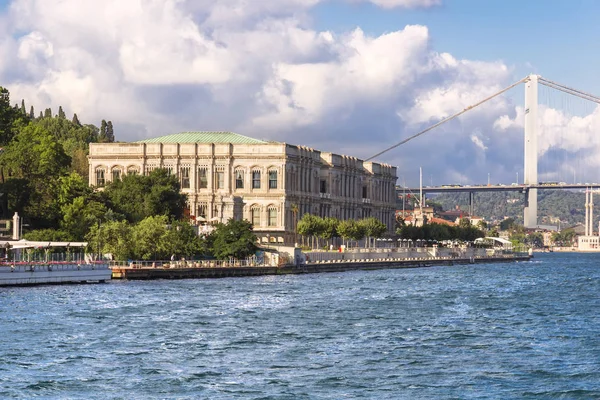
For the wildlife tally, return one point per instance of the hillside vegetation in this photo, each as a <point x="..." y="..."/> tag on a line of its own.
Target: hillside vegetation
<point x="553" y="205"/>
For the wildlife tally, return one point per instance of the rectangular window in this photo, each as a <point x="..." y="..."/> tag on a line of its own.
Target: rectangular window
<point x="272" y="179"/>
<point x="220" y="179"/>
<point x="255" y="179"/>
<point x="272" y="217"/>
<point x="116" y="175"/>
<point x="185" y="177"/>
<point x="255" y="217"/>
<point x="202" y="178"/>
<point x="239" y="179"/>
<point x="202" y="209"/>
<point x="100" y="178"/>
<point x="323" y="186"/>
<point x="364" y="192"/>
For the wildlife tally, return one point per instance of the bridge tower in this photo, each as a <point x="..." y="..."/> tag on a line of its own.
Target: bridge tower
<point x="531" y="150"/>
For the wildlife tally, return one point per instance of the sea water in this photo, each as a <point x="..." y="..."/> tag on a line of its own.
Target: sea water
<point x="487" y="331"/>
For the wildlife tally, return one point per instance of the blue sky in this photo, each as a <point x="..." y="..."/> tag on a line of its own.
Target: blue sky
<point x="557" y="39"/>
<point x="271" y="69"/>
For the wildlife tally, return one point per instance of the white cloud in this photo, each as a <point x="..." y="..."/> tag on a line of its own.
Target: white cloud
<point x="159" y="66"/>
<point x="406" y="3"/>
<point x="478" y="142"/>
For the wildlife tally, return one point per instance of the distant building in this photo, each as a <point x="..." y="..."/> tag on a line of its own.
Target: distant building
<point x="588" y="241"/>
<point x="270" y="184"/>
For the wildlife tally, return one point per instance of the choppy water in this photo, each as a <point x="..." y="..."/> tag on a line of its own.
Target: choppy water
<point x="497" y="331"/>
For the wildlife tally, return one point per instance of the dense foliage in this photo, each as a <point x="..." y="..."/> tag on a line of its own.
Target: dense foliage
<point x="314" y="228"/>
<point x="137" y="197"/>
<point x="464" y="231"/>
<point x="233" y="239"/>
<point x="44" y="177"/>
<point x="36" y="154"/>
<point x="553" y="205"/>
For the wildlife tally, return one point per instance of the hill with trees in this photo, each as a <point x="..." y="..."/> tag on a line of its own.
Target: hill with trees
<point x="568" y="206"/>
<point x="44" y="177"/>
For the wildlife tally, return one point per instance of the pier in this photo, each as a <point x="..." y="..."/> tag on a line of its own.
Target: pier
<point x="195" y="270"/>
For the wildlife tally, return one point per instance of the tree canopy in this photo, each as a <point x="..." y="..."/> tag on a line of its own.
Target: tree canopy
<point x="233" y="239"/>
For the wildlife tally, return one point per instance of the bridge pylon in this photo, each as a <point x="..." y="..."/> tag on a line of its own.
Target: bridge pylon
<point x="531" y="150"/>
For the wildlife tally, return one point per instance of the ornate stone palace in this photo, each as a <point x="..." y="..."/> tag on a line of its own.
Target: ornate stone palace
<point x="271" y="184"/>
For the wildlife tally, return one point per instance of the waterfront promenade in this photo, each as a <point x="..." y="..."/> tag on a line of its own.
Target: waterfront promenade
<point x="316" y="262"/>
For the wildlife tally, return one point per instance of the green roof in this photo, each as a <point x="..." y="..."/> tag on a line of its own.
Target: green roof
<point x="204" y="137"/>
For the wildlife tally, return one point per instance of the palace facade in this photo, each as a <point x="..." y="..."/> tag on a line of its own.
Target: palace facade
<point x="271" y="184"/>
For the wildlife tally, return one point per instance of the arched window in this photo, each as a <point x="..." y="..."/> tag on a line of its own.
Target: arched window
<point x="272" y="179"/>
<point x="116" y="174"/>
<point x="256" y="179"/>
<point x="100" y="179"/>
<point x="255" y="216"/>
<point x="133" y="170"/>
<point x="272" y="216"/>
<point x="239" y="178"/>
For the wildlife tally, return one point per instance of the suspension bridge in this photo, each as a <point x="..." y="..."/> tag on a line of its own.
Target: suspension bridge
<point x="557" y="145"/>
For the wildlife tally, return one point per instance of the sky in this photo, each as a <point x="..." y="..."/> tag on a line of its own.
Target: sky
<point x="347" y="76"/>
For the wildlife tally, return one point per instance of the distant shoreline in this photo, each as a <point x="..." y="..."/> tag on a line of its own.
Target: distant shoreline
<point x="565" y="250"/>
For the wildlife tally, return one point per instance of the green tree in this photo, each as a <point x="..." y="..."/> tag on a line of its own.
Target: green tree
<point x="80" y="216"/>
<point x="31" y="113"/>
<point x="373" y="228"/>
<point x="150" y="238"/>
<point x="482" y="225"/>
<point x="464" y="223"/>
<point x="351" y="230"/>
<point x="111" y="237"/>
<point x="233" y="239"/>
<point x="139" y="196"/>
<point x="329" y="228"/>
<point x="76" y="120"/>
<point x="34" y="154"/>
<point x="23" y="110"/>
<point x="103" y="138"/>
<point x="183" y="241"/>
<point x="48" y="113"/>
<point x="308" y="226"/>
<point x="507" y="224"/>
<point x="47" y="235"/>
<point x="61" y="113"/>
<point x="8" y="117"/>
<point x="72" y="186"/>
<point x="110" y="134"/>
<point x="35" y="160"/>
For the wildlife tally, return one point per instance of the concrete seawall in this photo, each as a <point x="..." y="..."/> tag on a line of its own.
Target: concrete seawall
<point x="146" y="273"/>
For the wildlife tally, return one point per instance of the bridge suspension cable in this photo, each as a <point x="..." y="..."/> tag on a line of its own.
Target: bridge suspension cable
<point x="449" y="118"/>
<point x="569" y="90"/>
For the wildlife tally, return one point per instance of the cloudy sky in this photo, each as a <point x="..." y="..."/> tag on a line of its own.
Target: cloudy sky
<point x="348" y="76"/>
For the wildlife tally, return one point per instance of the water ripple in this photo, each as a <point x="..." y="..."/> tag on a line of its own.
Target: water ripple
<point x="525" y="330"/>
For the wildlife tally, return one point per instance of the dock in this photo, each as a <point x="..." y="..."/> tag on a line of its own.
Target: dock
<point x="147" y="271"/>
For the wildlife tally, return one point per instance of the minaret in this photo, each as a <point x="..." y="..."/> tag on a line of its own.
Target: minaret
<point x="16" y="227"/>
